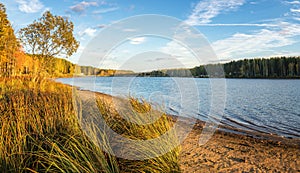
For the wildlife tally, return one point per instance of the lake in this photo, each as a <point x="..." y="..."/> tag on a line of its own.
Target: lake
<point x="260" y="105"/>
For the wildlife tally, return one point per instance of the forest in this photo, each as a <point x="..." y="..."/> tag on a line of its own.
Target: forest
<point x="276" y="67"/>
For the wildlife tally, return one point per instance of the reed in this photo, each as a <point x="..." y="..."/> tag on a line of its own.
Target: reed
<point x="139" y="121"/>
<point x="40" y="132"/>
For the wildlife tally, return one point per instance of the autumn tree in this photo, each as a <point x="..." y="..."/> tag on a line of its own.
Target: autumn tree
<point x="48" y="37"/>
<point x="9" y="44"/>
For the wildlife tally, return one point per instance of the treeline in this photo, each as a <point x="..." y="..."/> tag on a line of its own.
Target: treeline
<point x="167" y="73"/>
<point x="277" y="67"/>
<point x="281" y="67"/>
<point x="26" y="64"/>
<point x="89" y="70"/>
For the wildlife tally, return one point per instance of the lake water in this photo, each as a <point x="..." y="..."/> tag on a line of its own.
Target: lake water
<point x="261" y="105"/>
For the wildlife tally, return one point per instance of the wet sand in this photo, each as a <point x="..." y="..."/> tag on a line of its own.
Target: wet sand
<point x="230" y="152"/>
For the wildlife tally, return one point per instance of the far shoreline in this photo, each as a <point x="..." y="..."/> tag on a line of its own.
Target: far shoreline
<point x="136" y="76"/>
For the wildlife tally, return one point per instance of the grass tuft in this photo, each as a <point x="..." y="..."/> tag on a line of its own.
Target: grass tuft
<point x="40" y="132"/>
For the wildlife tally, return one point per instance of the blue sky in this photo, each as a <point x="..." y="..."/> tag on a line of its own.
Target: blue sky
<point x="235" y="29"/>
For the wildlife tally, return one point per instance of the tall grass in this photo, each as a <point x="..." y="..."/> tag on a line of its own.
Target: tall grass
<point x="40" y="132"/>
<point x="139" y="121"/>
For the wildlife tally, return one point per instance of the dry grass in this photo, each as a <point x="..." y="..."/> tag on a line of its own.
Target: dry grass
<point x="145" y="124"/>
<point x="40" y="132"/>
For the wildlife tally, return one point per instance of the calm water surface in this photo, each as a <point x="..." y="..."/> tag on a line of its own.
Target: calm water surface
<point x="269" y="106"/>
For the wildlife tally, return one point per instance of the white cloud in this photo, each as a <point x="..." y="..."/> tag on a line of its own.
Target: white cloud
<point x="30" y="6"/>
<point x="264" y="40"/>
<point x="205" y="10"/>
<point x="295" y="10"/>
<point x="238" y="24"/>
<point x="254" y="2"/>
<point x="137" y="40"/>
<point x="292" y="2"/>
<point x="105" y="10"/>
<point x="88" y="31"/>
<point x="297" y="18"/>
<point x="80" y="7"/>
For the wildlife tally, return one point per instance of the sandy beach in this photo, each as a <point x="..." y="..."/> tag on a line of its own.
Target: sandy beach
<point x="230" y="152"/>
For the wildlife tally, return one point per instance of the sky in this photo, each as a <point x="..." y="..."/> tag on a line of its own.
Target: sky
<point x="224" y="30"/>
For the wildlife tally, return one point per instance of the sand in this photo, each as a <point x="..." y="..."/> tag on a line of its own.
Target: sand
<point x="230" y="152"/>
<point x="227" y="152"/>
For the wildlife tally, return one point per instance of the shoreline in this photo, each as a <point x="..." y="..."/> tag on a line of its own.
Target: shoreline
<point x="231" y="152"/>
<point x="258" y="78"/>
<point x="220" y="129"/>
<point x="225" y="130"/>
